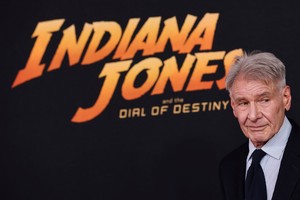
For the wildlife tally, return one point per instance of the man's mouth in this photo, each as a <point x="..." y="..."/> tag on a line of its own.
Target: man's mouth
<point x="256" y="128"/>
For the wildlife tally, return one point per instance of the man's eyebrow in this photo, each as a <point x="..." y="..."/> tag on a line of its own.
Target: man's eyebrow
<point x="263" y="94"/>
<point x="242" y="98"/>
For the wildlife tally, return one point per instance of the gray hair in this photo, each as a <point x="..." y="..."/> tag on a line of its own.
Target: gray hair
<point x="257" y="65"/>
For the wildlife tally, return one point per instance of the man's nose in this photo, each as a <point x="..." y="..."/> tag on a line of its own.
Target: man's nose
<point x="254" y="112"/>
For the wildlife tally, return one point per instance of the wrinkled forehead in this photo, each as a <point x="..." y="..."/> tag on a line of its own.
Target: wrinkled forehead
<point x="256" y="77"/>
<point x="245" y="86"/>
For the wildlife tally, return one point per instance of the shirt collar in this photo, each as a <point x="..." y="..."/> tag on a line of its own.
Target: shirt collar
<point x="276" y="145"/>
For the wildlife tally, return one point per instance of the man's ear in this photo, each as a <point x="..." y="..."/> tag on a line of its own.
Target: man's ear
<point x="287" y="97"/>
<point x="232" y="106"/>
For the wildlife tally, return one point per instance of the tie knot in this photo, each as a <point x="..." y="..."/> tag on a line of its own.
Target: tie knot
<point x="257" y="155"/>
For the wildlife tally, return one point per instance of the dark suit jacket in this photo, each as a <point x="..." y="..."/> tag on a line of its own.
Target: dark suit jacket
<point x="233" y="167"/>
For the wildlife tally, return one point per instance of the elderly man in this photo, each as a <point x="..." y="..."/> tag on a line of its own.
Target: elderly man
<point x="268" y="165"/>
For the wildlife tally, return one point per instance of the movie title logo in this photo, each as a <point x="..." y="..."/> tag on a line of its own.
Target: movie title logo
<point x="150" y="38"/>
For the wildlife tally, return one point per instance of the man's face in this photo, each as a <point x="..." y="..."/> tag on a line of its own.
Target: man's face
<point x="259" y="108"/>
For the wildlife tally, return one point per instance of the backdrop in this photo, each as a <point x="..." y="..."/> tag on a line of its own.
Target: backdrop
<point x="125" y="99"/>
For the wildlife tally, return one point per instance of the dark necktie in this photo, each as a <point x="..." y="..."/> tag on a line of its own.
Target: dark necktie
<point x="255" y="185"/>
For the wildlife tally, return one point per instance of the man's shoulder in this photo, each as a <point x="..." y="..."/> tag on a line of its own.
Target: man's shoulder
<point x="294" y="138"/>
<point x="236" y="155"/>
<point x="295" y="125"/>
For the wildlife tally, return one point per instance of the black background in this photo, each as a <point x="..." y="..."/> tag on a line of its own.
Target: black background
<point x="45" y="156"/>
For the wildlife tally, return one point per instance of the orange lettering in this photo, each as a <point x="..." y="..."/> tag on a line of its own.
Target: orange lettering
<point x="152" y="66"/>
<point x="171" y="31"/>
<point x="203" y="34"/>
<point x="111" y="72"/>
<point x="33" y="67"/>
<point x="93" y="55"/>
<point x="201" y="68"/>
<point x="171" y="72"/>
<point x="230" y="56"/>
<point x="145" y="39"/>
<point x="70" y="45"/>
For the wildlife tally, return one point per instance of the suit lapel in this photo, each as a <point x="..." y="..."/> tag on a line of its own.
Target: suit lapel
<point x="241" y="174"/>
<point x="232" y="173"/>
<point x="289" y="172"/>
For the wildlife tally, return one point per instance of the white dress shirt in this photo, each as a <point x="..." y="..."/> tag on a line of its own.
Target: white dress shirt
<point x="274" y="149"/>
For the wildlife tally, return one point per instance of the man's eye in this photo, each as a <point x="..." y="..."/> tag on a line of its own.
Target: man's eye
<point x="243" y="103"/>
<point x="264" y="100"/>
